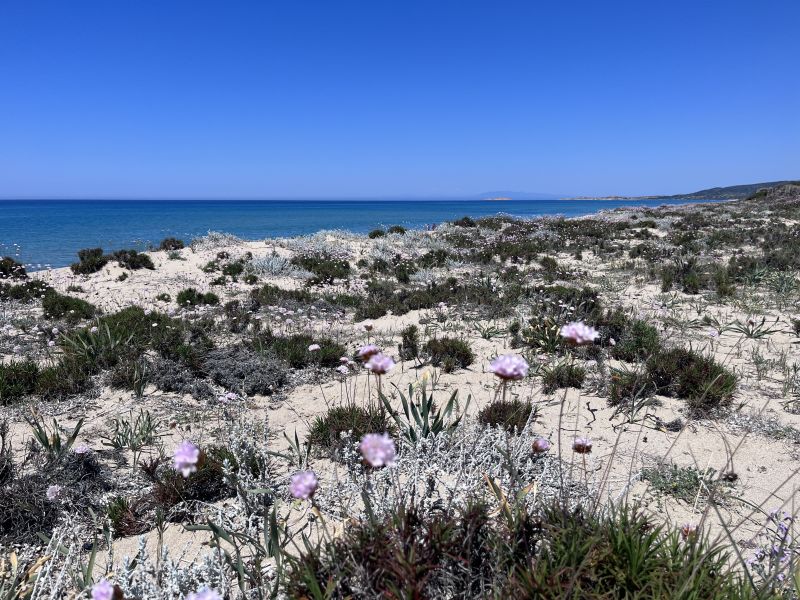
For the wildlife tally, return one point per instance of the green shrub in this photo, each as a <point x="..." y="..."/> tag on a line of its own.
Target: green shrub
<point x="294" y="349"/>
<point x="171" y="244"/>
<point x="409" y="342"/>
<point x="434" y="258"/>
<point x="272" y="295"/>
<point x="465" y="222"/>
<point x="250" y="279"/>
<point x="325" y="435"/>
<point x="191" y="297"/>
<point x="511" y="415"/>
<point x="557" y="553"/>
<point x="11" y="269"/>
<point x="59" y="306"/>
<point x="210" y="267"/>
<point x="90" y="260"/>
<point x="233" y="269"/>
<point x="325" y="268"/>
<point x="164" y="297"/>
<point x="133" y="260"/>
<point x="398" y="229"/>
<point x="449" y="353"/>
<point x="17" y="380"/>
<point x="563" y="375"/>
<point x="700" y="380"/>
<point x="24" y="292"/>
<point x="637" y="341"/>
<point x="376" y="233"/>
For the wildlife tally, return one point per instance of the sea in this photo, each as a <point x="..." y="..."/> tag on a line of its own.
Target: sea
<point x="48" y="233"/>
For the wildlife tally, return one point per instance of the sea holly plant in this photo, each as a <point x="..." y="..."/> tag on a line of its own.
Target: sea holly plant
<point x="421" y="418"/>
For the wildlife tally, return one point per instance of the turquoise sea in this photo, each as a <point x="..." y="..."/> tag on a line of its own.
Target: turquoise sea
<point x="42" y="233"/>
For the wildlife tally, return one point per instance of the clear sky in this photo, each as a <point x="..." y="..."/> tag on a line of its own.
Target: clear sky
<point x="337" y="98"/>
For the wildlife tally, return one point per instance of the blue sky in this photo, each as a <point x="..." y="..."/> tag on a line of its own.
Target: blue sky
<point x="384" y="98"/>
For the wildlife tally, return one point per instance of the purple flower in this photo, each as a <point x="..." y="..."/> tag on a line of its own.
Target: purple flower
<point x="102" y="590"/>
<point x="582" y="445"/>
<point x="579" y="334"/>
<point x="380" y="364"/>
<point x="313" y="348"/>
<point x="93" y="330"/>
<point x="343" y="369"/>
<point x="204" y="593"/>
<point x="53" y="492"/>
<point x="303" y="485"/>
<point x="540" y="445"/>
<point x="378" y="449"/>
<point x="187" y="455"/>
<point x="368" y="351"/>
<point x="688" y="530"/>
<point x="82" y="449"/>
<point x="509" y="366"/>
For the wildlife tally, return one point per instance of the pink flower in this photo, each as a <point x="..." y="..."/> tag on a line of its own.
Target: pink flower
<point x="187" y="455"/>
<point x="540" y="445"/>
<point x="53" y="492"/>
<point x="343" y="369"/>
<point x="380" y="364"/>
<point x="204" y="593"/>
<point x="102" y="590"/>
<point x="582" y="445"/>
<point x="313" y="348"/>
<point x="82" y="449"/>
<point x="366" y="352"/>
<point x="303" y="485"/>
<point x="579" y="334"/>
<point x="93" y="330"/>
<point x="688" y="530"/>
<point x="50" y="344"/>
<point x="378" y="449"/>
<point x="509" y="366"/>
<point x="344" y="360"/>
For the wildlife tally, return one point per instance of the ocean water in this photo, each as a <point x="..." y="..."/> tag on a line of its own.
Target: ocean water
<point x="42" y="233"/>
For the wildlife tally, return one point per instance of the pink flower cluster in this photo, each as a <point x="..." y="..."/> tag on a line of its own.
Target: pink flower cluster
<point x="186" y="458"/>
<point x="380" y="364"/>
<point x="378" y="450"/>
<point x="579" y="334"/>
<point x="509" y="366"/>
<point x="303" y="484"/>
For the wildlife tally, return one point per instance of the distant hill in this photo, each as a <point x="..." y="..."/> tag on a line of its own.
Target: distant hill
<point x="732" y="191"/>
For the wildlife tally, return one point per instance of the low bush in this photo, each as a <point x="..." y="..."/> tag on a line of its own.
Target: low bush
<point x="511" y="415"/>
<point x="700" y="380"/>
<point x="471" y="553"/>
<point x="59" y="306"/>
<point x="272" y="295"/>
<point x="325" y="435"/>
<point x="24" y="292"/>
<point x="325" y="268"/>
<point x="449" y="354"/>
<point x="409" y="342"/>
<point x="398" y="229"/>
<point x="191" y="297"/>
<point x="465" y="222"/>
<point x="233" y="269"/>
<point x="171" y="244"/>
<point x="376" y="233"/>
<point x="245" y="371"/>
<point x="11" y="269"/>
<point x="637" y="340"/>
<point x="17" y="380"/>
<point x="563" y="375"/>
<point x="90" y="260"/>
<point x="133" y="260"/>
<point x="294" y="349"/>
